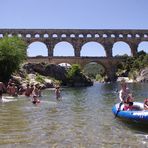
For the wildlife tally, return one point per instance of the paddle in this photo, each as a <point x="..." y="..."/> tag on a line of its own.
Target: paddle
<point x="118" y="109"/>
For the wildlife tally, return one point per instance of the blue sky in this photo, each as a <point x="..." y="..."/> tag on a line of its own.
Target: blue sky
<point x="75" y="14"/>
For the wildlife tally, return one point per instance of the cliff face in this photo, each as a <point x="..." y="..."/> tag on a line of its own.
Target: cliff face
<point x="57" y="72"/>
<point x="143" y="75"/>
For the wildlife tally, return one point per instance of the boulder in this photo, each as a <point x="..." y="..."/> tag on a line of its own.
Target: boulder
<point x="143" y="75"/>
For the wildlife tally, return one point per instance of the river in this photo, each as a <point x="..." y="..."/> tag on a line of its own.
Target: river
<point x="83" y="119"/>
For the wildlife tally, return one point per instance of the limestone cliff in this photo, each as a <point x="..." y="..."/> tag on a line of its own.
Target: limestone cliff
<point x="57" y="72"/>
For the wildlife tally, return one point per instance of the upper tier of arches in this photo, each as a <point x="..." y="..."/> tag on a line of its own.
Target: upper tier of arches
<point x="78" y="38"/>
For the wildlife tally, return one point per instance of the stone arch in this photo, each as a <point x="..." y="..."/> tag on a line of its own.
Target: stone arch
<point x="121" y="48"/>
<point x="66" y="65"/>
<point x="81" y="36"/>
<point x="19" y="35"/>
<point x="1" y="36"/>
<point x="46" y="35"/>
<point x="37" y="49"/>
<point x="96" y="35"/>
<point x="37" y="35"/>
<point x="63" y="48"/>
<point x="145" y="35"/>
<point x="93" y="49"/>
<point x="89" y="35"/>
<point x="28" y="35"/>
<point x="54" y="35"/>
<point x="63" y="35"/>
<point x="143" y="46"/>
<point x="93" y="68"/>
<point x="72" y="35"/>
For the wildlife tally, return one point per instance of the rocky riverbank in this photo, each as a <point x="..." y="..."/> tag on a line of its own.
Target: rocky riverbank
<point x="49" y="75"/>
<point x="142" y="76"/>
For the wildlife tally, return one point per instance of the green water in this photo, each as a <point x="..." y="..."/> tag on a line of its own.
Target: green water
<point x="83" y="119"/>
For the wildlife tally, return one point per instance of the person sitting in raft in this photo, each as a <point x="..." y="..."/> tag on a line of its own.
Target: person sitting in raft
<point x="123" y="93"/>
<point x="28" y="90"/>
<point x="13" y="90"/>
<point x="35" y="100"/>
<point x="128" y="105"/>
<point x="146" y="104"/>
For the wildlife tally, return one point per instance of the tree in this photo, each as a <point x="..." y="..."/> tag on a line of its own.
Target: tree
<point x="12" y="54"/>
<point x="73" y="71"/>
<point x="132" y="65"/>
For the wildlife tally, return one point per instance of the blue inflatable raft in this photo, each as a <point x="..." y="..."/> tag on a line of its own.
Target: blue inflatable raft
<point x="137" y="114"/>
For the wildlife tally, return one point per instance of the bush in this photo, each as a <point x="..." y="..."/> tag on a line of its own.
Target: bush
<point x="40" y="78"/>
<point x="73" y="71"/>
<point x="133" y="64"/>
<point x="12" y="54"/>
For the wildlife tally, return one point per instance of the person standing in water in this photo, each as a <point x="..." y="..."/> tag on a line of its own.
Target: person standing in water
<point x="2" y="88"/>
<point x="57" y="92"/>
<point x="35" y="94"/>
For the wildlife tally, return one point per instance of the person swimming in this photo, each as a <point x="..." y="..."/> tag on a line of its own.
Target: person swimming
<point x="35" y="100"/>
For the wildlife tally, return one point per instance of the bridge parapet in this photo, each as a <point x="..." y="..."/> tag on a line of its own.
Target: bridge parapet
<point x="78" y="33"/>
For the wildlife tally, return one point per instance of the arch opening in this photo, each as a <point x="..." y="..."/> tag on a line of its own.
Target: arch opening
<point x="37" y="49"/>
<point x="95" y="71"/>
<point x="143" y="46"/>
<point x="63" y="49"/>
<point x="92" y="49"/>
<point x="121" y="49"/>
<point x="65" y="65"/>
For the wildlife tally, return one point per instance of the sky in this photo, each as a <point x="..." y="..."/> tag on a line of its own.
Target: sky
<point x="75" y="14"/>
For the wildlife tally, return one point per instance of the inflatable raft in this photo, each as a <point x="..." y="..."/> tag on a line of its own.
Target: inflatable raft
<point x="137" y="114"/>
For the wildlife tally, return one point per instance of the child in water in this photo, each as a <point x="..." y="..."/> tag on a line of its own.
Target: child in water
<point x="57" y="92"/>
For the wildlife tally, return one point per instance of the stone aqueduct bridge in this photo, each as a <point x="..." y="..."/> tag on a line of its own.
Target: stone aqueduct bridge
<point x="77" y="38"/>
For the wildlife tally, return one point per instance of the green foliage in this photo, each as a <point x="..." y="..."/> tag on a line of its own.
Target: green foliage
<point x="133" y="64"/>
<point x="57" y="82"/>
<point x="73" y="71"/>
<point x="40" y="78"/>
<point x="91" y="70"/>
<point x="99" y="78"/>
<point x="12" y="54"/>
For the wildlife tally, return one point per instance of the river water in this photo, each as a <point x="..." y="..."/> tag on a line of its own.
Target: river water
<point x="83" y="119"/>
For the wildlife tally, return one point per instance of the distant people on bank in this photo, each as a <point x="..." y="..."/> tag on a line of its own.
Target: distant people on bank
<point x="58" y="92"/>
<point x="146" y="104"/>
<point x="12" y="89"/>
<point x="21" y="90"/>
<point x="36" y="90"/>
<point x="125" y="96"/>
<point x="28" y="91"/>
